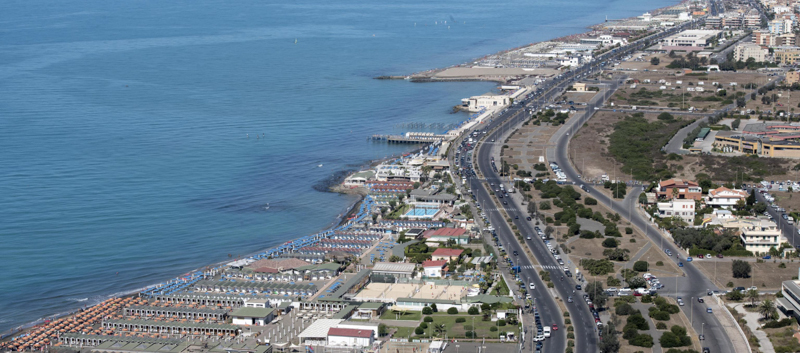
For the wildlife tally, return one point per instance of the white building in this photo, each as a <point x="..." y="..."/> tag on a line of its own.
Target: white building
<point x="486" y="101"/>
<point x="434" y="268"/>
<point x="349" y="337"/>
<point x="387" y="172"/>
<point x="744" y="51"/>
<point x="252" y="316"/>
<point x="692" y="38"/>
<point x="724" y="197"/>
<point x="760" y="235"/>
<point x="681" y="208"/>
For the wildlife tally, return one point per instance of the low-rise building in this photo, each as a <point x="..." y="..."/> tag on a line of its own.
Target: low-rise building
<point x="252" y="316"/>
<point x="438" y="196"/>
<point x="690" y="40"/>
<point x="724" y="197"/>
<point x="396" y="269"/>
<point x="742" y="52"/>
<point x="435" y="268"/>
<point x="349" y="337"/>
<point x="446" y="254"/>
<point x="760" y="235"/>
<point x="789" y="304"/>
<point x="444" y="235"/>
<point x="679" y="189"/>
<point x="486" y="101"/>
<point x="786" y="55"/>
<point x="680" y="208"/>
<point x="792" y="77"/>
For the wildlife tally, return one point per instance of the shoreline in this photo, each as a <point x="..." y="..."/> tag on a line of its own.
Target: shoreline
<point x="333" y="185"/>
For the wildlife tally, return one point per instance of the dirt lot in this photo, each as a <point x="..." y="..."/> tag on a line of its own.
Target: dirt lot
<point x="765" y="276"/>
<point x="787" y="200"/>
<point x="787" y="101"/>
<point x="580" y="97"/>
<point x="527" y="144"/>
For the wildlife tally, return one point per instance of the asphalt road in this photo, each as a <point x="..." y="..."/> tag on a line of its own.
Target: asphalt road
<point x="694" y="284"/>
<point x="789" y="231"/>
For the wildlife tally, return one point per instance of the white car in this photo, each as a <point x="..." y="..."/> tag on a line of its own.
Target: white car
<point x="533" y="286"/>
<point x="538" y="338"/>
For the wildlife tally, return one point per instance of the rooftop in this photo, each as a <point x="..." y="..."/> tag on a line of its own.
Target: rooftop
<point x="393" y="267"/>
<point x="252" y="312"/>
<point x="350" y="332"/>
<point x="446" y="232"/>
<point x="431" y="263"/>
<point x="447" y="252"/>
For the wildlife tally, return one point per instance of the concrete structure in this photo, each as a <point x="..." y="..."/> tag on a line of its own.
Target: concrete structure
<point x="579" y="87"/>
<point x="689" y="40"/>
<point x="679" y="189"/>
<point x="742" y="52"/>
<point x="683" y="209"/>
<point x="446" y="254"/>
<point x="434" y="268"/>
<point x="724" y="197"/>
<point x="348" y="337"/>
<point x="316" y="334"/>
<point x="792" y="77"/>
<point x="253" y="316"/>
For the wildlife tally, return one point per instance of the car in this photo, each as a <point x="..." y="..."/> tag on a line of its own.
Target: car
<point x="529" y="218"/>
<point x="538" y="338"/>
<point x="517" y="217"/>
<point x="516" y="253"/>
<point x="533" y="286"/>
<point x="689" y="259"/>
<point x="719" y="256"/>
<point x="555" y="327"/>
<point x="708" y="256"/>
<point x="569" y="300"/>
<point x="577" y="287"/>
<point x="706" y="350"/>
<point x="708" y="310"/>
<point x="700" y="300"/>
<point x="680" y="301"/>
<point x="767" y="257"/>
<point x="680" y="264"/>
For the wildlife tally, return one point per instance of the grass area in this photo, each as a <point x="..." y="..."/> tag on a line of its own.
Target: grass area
<point x="782" y="339"/>
<point x="456" y="330"/>
<point x="402" y="332"/>
<point x="636" y="143"/>
<point x="399" y="212"/>
<point x="404" y="315"/>
<point x="501" y="288"/>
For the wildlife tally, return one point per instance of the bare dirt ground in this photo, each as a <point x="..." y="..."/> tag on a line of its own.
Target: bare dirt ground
<point x="527" y="144"/>
<point x="765" y="276"/>
<point x="787" y="200"/>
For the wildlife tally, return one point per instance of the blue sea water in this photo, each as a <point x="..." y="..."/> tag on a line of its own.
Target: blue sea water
<point x="142" y="139"/>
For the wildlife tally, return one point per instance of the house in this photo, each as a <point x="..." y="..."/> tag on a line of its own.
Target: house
<point x="435" y="268"/>
<point x="759" y="235"/>
<point x="252" y="316"/>
<point x="444" y="235"/>
<point x="724" y="197"/>
<point x="683" y="209"/>
<point x="446" y="254"/>
<point x="679" y="189"/>
<point x="349" y="337"/>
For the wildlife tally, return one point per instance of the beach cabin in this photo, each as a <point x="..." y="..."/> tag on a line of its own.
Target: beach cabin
<point x="253" y="316"/>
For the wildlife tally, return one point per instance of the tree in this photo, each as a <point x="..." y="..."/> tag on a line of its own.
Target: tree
<point x="637" y="282"/>
<point x="741" y="269"/>
<point x="610" y="243"/>
<point x="548" y="231"/>
<point x="655" y="60"/>
<point x="752" y="295"/>
<point x="427" y="311"/>
<point x="640" y="266"/>
<point x="610" y="341"/>
<point x="767" y="309"/>
<point x="394" y="258"/>
<point x="427" y="319"/>
<point x="735" y="124"/>
<point x="434" y="308"/>
<point x="473" y="311"/>
<point x="596" y="293"/>
<point x="544" y="205"/>
<point x="590" y="201"/>
<point x="419" y="330"/>
<point x="452" y="311"/>
<point x="382" y="330"/>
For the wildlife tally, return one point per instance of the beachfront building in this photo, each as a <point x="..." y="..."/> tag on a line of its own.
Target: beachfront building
<point x="437" y="196"/>
<point x="176" y="312"/>
<point x="347" y="337"/>
<point x="486" y="101"/>
<point x="679" y="189"/>
<point x="396" y="269"/>
<point x="394" y="172"/>
<point x="252" y="316"/>
<point x="360" y="178"/>
<point x="433" y="268"/>
<point x="678" y="208"/>
<point x="724" y="197"/>
<point x="446" y="254"/>
<point x="437" y="237"/>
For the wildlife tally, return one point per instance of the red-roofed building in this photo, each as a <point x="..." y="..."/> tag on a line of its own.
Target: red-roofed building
<point x="444" y="235"/>
<point x="679" y="189"/>
<point x="724" y="197"/>
<point x="446" y="254"/>
<point x="350" y="337"/>
<point x="434" y="268"/>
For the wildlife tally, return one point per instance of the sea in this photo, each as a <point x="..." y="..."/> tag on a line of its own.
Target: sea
<point x="142" y="139"/>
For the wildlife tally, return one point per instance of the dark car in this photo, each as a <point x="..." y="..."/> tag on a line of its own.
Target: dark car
<point x="577" y="287"/>
<point x="529" y="218"/>
<point x="700" y="300"/>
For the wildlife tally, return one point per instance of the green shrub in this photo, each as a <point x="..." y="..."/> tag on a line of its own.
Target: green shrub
<point x="642" y="340"/>
<point x="452" y="311"/>
<point x="461" y="319"/>
<point x="473" y="310"/>
<point x="567" y="322"/>
<point x="427" y="319"/>
<point x="624" y="309"/>
<point x="427" y="311"/>
<point x="777" y="324"/>
<point x="660" y="263"/>
<point x="493" y="329"/>
<point x="423" y="325"/>
<point x="419" y="330"/>
<point x="628" y="230"/>
<point x="610" y="243"/>
<point x="501" y="322"/>
<point x="571" y="335"/>
<point x="641" y="266"/>
<point x="661" y="326"/>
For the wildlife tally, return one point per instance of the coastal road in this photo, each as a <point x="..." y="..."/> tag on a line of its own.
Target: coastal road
<point x="693" y="285"/>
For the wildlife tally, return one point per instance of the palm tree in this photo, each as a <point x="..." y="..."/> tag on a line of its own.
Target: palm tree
<point x="439" y="328"/>
<point x="767" y="309"/>
<point x="753" y="296"/>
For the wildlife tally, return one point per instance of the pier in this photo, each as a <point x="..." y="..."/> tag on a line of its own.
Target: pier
<point x="411" y="137"/>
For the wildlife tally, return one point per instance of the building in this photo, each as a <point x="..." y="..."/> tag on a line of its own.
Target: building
<point x="486" y="101"/>
<point x="252" y="316"/>
<point x="432" y="196"/>
<point x="690" y="40"/>
<point x="349" y="337"/>
<point x="792" y="77"/>
<point x="444" y="235"/>
<point x="760" y="235"/>
<point x="579" y="87"/>
<point x="762" y="139"/>
<point x="396" y="269"/>
<point x="742" y="52"/>
<point x="679" y="189"/>
<point x="368" y="311"/>
<point x="724" y="197"/>
<point x="790" y="303"/>
<point x="446" y="254"/>
<point x="683" y="209"/>
<point x="434" y="268"/>
<point x="786" y="55"/>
